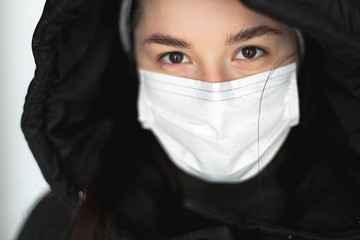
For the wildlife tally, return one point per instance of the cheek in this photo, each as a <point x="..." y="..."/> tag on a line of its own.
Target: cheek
<point x="285" y="51"/>
<point x="143" y="57"/>
<point x="290" y="51"/>
<point x="139" y="52"/>
<point x="290" y="43"/>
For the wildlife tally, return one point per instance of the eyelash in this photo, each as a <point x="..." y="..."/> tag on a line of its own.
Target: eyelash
<point x="263" y="52"/>
<point x="167" y="54"/>
<point x="161" y="58"/>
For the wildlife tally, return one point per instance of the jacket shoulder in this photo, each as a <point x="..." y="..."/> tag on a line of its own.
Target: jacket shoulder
<point x="50" y="219"/>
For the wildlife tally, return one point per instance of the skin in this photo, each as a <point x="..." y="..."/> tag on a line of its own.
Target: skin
<point x="210" y="40"/>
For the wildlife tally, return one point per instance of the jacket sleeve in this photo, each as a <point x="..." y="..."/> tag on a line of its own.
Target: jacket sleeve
<point x="335" y="25"/>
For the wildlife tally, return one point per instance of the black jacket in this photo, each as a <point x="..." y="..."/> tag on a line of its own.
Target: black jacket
<point x="80" y="115"/>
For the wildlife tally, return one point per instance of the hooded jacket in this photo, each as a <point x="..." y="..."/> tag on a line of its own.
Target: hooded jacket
<point x="80" y="115"/>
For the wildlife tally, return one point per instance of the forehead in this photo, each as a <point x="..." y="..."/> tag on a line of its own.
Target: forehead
<point x="200" y="17"/>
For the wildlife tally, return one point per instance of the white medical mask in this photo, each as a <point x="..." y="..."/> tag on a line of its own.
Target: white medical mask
<point x="213" y="131"/>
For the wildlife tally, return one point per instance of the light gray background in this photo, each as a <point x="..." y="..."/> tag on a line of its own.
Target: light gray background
<point x="21" y="183"/>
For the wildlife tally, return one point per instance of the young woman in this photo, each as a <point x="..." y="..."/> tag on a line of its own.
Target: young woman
<point x="206" y="119"/>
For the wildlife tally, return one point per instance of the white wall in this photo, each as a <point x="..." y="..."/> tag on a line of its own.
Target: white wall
<point x="21" y="182"/>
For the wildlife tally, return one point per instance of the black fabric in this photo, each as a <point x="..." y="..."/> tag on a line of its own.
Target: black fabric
<point x="80" y="117"/>
<point x="50" y="219"/>
<point x="334" y="23"/>
<point x="69" y="110"/>
<point x="261" y="197"/>
<point x="56" y="118"/>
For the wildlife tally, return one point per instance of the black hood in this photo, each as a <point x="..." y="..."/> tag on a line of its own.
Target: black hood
<point x="80" y="109"/>
<point x="81" y="89"/>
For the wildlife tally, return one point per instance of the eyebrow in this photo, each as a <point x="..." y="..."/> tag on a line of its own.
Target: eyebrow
<point x="168" y="40"/>
<point x="253" y="32"/>
<point x="242" y="35"/>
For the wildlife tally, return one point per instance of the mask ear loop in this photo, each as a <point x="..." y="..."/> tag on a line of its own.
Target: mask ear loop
<point x="124" y="25"/>
<point x="262" y="200"/>
<point x="301" y="53"/>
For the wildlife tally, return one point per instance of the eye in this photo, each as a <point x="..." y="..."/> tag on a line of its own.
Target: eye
<point x="174" y="58"/>
<point x="250" y="53"/>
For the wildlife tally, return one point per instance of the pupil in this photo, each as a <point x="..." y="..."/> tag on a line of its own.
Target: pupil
<point x="176" y="57"/>
<point x="249" y="52"/>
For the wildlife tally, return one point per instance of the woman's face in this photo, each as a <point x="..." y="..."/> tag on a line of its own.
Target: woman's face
<point x="210" y="40"/>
